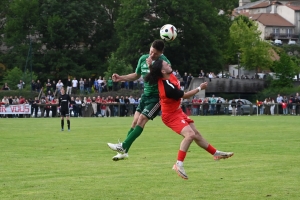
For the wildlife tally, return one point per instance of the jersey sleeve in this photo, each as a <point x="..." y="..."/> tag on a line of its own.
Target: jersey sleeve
<point x="171" y="91"/>
<point x="138" y="69"/>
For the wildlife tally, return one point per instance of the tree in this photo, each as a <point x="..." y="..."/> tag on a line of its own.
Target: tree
<point x="13" y="77"/>
<point x="245" y="38"/>
<point x="285" y="70"/>
<point x="69" y="38"/>
<point x="117" y="66"/>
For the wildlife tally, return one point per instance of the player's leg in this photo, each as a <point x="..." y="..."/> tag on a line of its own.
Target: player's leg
<point x="201" y="142"/>
<point x="62" y="122"/>
<point x="150" y="111"/>
<point x="68" y="122"/>
<point x="176" y="121"/>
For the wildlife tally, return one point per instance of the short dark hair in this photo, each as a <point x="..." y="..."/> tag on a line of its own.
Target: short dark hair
<point x="159" y="45"/>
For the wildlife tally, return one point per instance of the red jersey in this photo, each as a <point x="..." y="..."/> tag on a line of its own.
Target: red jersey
<point x="103" y="105"/>
<point x="170" y="94"/>
<point x="98" y="100"/>
<point x="196" y="103"/>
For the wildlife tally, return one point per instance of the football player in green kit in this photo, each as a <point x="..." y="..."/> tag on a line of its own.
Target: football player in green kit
<point x="149" y="105"/>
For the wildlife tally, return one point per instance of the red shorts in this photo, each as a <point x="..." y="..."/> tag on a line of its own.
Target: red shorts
<point x="176" y="120"/>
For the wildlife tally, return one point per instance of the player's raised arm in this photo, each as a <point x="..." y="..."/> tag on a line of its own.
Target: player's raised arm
<point x="128" y="77"/>
<point x="191" y="93"/>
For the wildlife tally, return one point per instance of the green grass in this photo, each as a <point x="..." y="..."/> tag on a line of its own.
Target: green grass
<point x="38" y="161"/>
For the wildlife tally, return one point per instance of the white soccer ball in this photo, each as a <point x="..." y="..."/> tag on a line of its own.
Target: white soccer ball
<point x="168" y="32"/>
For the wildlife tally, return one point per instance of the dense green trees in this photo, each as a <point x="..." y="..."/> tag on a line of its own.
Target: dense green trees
<point x="77" y="37"/>
<point x="68" y="37"/>
<point x="245" y="39"/>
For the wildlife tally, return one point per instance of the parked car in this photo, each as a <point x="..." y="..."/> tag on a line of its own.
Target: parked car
<point x="247" y="107"/>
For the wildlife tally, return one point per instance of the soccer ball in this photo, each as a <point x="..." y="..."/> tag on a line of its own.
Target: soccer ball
<point x="168" y="32"/>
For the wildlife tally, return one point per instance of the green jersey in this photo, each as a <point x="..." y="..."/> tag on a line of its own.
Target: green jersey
<point x="143" y="69"/>
<point x="110" y="82"/>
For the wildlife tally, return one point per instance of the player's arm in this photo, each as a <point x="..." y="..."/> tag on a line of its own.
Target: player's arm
<point x="175" y="93"/>
<point x="191" y="93"/>
<point x="128" y="77"/>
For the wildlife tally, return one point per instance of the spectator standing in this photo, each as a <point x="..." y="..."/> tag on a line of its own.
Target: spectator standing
<point x="33" y="85"/>
<point x="48" y="85"/>
<point x="74" y="85"/>
<point x="81" y="86"/>
<point x="42" y="106"/>
<point x="103" y="107"/>
<point x="95" y="85"/>
<point x="59" y="86"/>
<point x="292" y="105"/>
<point x="38" y="86"/>
<point x="21" y="85"/>
<point x="5" y="87"/>
<point x="210" y="76"/>
<point x="35" y="106"/>
<point x="69" y="86"/>
<point x="213" y="102"/>
<point x="54" y="87"/>
<point x="272" y="106"/>
<point x="90" y="85"/>
<point x="86" y="85"/>
<point x="100" y="81"/>
<point x="201" y="74"/>
<point x="226" y="104"/>
<point x="110" y="84"/>
<point x="47" y="107"/>
<point x="233" y="106"/>
<point x="205" y="106"/>
<point x="267" y="106"/>
<point x="239" y="105"/>
<point x="78" y="107"/>
<point x="284" y="107"/>
<point x="189" y="79"/>
<point x="195" y="106"/>
<point x="219" y="103"/>
<point x="117" y="107"/>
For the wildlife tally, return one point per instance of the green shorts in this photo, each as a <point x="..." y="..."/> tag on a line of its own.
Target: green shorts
<point x="149" y="106"/>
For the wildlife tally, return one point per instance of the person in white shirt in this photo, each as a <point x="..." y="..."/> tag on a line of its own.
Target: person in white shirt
<point x="74" y="85"/>
<point x="279" y="101"/>
<point x="59" y="85"/>
<point x="100" y="81"/>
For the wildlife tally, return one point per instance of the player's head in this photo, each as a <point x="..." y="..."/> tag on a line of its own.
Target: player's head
<point x="156" y="49"/>
<point x="158" y="69"/>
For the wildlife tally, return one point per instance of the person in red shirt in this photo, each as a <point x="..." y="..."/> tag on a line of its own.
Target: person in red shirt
<point x="103" y="107"/>
<point x="195" y="106"/>
<point x="173" y="116"/>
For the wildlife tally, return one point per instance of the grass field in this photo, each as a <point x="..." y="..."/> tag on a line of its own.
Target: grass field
<point x="38" y="161"/>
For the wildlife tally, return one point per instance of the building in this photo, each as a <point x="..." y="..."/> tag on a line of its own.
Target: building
<point x="276" y="20"/>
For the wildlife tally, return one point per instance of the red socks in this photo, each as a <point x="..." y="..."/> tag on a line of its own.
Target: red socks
<point x="210" y="149"/>
<point x="181" y="155"/>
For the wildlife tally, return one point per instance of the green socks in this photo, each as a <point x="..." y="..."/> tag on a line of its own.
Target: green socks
<point x="135" y="133"/>
<point x="131" y="129"/>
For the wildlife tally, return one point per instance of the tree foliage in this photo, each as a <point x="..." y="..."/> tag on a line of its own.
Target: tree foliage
<point x="245" y="39"/>
<point x="76" y="38"/>
<point x="116" y="65"/>
<point x="285" y="70"/>
<point x="13" y="77"/>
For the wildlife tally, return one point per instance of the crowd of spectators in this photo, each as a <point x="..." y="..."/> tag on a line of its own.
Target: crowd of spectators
<point x="98" y="106"/>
